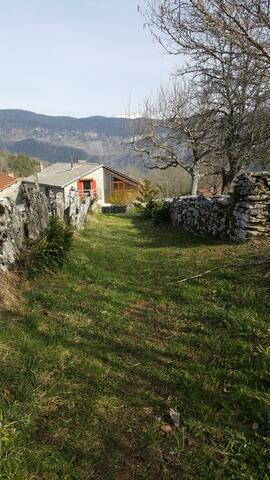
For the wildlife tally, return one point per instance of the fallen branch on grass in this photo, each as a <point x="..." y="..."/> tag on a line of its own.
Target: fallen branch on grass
<point x="219" y="267"/>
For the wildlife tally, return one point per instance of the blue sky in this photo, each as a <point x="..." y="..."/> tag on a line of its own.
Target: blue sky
<point x="77" y="57"/>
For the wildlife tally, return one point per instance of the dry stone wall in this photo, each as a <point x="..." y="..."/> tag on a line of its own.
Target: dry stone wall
<point x="251" y="213"/>
<point x="29" y="218"/>
<point x="111" y="209"/>
<point x="205" y="216"/>
<point x="240" y="216"/>
<point x="11" y="233"/>
<point x="78" y="209"/>
<point x="35" y="213"/>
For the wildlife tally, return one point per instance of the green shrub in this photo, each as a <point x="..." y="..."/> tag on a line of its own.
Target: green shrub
<point x="122" y="197"/>
<point x="50" y="250"/>
<point x="160" y="213"/>
<point x="145" y="198"/>
<point x="146" y="209"/>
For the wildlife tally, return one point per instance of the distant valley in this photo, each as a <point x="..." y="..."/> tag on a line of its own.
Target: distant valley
<point x="62" y="139"/>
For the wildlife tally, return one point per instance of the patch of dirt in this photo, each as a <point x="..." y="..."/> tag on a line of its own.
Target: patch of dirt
<point x="140" y="308"/>
<point x="45" y="425"/>
<point x="10" y="293"/>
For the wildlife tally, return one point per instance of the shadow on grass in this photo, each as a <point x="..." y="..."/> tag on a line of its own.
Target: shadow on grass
<point x="173" y="236"/>
<point x="111" y="346"/>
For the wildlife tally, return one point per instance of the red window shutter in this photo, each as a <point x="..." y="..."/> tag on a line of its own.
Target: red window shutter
<point x="80" y="186"/>
<point x="94" y="185"/>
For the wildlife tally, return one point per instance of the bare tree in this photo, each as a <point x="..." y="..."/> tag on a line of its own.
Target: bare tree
<point x="179" y="25"/>
<point x="246" y="23"/>
<point x="175" y="130"/>
<point x="171" y="182"/>
<point x="235" y="80"/>
<point x="239" y="93"/>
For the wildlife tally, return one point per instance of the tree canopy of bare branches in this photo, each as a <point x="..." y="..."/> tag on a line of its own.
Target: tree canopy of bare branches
<point x="176" y="129"/>
<point x="226" y="45"/>
<point x="181" y="25"/>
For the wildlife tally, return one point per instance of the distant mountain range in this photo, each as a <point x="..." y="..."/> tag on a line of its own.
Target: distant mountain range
<point x="54" y="139"/>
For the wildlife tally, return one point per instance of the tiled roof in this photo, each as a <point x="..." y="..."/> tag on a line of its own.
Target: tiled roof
<point x="6" y="181"/>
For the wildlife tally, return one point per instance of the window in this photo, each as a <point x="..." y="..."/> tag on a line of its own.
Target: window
<point x="86" y="185"/>
<point x="121" y="185"/>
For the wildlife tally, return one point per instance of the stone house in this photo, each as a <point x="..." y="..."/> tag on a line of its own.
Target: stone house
<point x="9" y="186"/>
<point x="97" y="180"/>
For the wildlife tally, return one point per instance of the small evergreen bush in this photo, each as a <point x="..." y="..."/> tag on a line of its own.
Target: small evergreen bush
<point x="160" y="213"/>
<point x="156" y="210"/>
<point x="145" y="198"/>
<point x="146" y="191"/>
<point x="146" y="209"/>
<point x="50" y="250"/>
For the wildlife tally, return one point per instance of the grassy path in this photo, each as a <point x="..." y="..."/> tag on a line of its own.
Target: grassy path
<point x="106" y="347"/>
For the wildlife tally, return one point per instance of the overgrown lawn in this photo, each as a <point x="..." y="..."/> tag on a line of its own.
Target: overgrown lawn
<point x="90" y="368"/>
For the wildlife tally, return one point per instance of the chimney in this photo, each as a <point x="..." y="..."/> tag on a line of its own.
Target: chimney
<point x="41" y="166"/>
<point x="11" y="173"/>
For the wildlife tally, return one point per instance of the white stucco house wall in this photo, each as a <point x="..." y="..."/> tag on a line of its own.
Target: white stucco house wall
<point x="9" y="186"/>
<point x="97" y="180"/>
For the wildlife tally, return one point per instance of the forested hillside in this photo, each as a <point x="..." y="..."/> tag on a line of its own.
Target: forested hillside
<point x="20" y="165"/>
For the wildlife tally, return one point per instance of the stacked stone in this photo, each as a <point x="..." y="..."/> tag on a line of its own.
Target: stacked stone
<point x="78" y="209"/>
<point x="59" y="205"/>
<point x="251" y="213"/>
<point x="11" y="233"/>
<point x="111" y="209"/>
<point x="29" y="219"/>
<point x="202" y="215"/>
<point x="19" y="222"/>
<point x="35" y="212"/>
<point x="74" y="206"/>
<point x="82" y="213"/>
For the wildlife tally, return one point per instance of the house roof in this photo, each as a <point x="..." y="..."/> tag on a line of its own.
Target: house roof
<point x="120" y="174"/>
<point x="6" y="181"/>
<point x="62" y="174"/>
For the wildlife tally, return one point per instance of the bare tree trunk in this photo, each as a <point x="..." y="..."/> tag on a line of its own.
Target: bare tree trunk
<point x="223" y="184"/>
<point x="227" y="179"/>
<point x="195" y="184"/>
